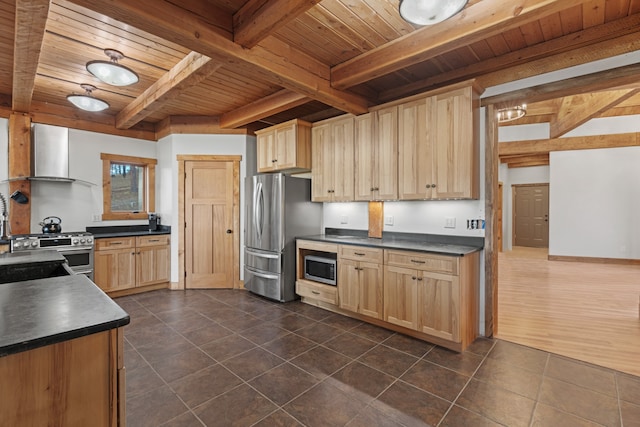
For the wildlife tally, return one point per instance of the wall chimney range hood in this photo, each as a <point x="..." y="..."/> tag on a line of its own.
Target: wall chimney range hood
<point x="49" y="153"/>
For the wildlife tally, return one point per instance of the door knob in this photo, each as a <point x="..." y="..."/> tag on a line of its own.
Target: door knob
<point x="229" y="231"/>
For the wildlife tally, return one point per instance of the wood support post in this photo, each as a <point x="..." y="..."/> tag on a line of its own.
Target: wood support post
<point x="491" y="222"/>
<point x="19" y="167"/>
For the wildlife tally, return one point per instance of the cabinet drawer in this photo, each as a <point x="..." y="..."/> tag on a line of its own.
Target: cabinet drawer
<point x="115" y="243"/>
<point x="361" y="253"/>
<point x="422" y="261"/>
<point x="158" y="240"/>
<point x="326" y="293"/>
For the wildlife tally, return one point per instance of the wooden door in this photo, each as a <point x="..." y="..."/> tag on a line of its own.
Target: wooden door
<point x="531" y="215"/>
<point x="455" y="153"/>
<point x="401" y="297"/>
<point x="370" y="303"/>
<point x="266" y="151"/>
<point x="364" y="157"/>
<point x="322" y="154"/>
<point x="348" y="285"/>
<point x="342" y="135"/>
<point x="209" y="220"/>
<point x="439" y="305"/>
<point x="385" y="170"/>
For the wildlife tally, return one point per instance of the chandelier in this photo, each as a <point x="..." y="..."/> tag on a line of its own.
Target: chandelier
<point x="511" y="113"/>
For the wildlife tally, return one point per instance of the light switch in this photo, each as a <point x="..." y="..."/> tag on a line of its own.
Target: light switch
<point x="344" y="219"/>
<point x="450" y="222"/>
<point x="388" y="220"/>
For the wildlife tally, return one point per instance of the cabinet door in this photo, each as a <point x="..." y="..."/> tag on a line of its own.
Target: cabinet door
<point x="415" y="151"/>
<point x="322" y="158"/>
<point x="439" y="304"/>
<point x="285" y="147"/>
<point x="385" y="170"/>
<point x="401" y="297"/>
<point x="364" y="157"/>
<point x="152" y="265"/>
<point x="348" y="285"/>
<point x="456" y="150"/>
<point x="115" y="269"/>
<point x="370" y="289"/>
<point x="343" y="137"/>
<point x="266" y="151"/>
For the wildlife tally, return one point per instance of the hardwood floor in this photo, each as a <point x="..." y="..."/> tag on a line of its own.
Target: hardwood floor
<point x="586" y="311"/>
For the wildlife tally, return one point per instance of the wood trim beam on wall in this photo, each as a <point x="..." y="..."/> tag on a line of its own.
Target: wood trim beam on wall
<point x="20" y="167"/>
<point x="477" y="22"/>
<point x="542" y="146"/>
<point x="257" y="19"/>
<point x="194" y="124"/>
<point x="264" y="107"/>
<point x="295" y="71"/>
<point x="190" y="71"/>
<point x="31" y="19"/>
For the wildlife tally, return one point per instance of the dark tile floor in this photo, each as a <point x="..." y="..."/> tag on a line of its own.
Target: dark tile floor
<point x="229" y="358"/>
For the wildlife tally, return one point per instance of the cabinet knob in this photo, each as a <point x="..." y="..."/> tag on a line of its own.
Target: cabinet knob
<point x="229" y="231"/>
<point x="377" y="189"/>
<point x="419" y="279"/>
<point x="372" y="189"/>
<point x="413" y="277"/>
<point x="433" y="186"/>
<point x="273" y="160"/>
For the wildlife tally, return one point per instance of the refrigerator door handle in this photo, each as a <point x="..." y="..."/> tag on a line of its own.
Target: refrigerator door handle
<point x="258" y="213"/>
<point x="261" y="275"/>
<point x="262" y="254"/>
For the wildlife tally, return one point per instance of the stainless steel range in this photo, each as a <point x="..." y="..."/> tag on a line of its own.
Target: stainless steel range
<point x="76" y="247"/>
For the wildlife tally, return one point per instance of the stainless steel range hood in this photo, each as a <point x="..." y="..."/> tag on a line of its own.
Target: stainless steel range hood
<point x="50" y="153"/>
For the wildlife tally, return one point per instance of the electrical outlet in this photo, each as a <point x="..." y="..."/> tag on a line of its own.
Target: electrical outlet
<point x="344" y="219"/>
<point x="96" y="217"/>
<point x="388" y="220"/>
<point x="450" y="222"/>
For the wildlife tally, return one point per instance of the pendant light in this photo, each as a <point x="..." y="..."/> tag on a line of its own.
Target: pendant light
<point x="429" y="12"/>
<point x="88" y="102"/>
<point x="112" y="73"/>
<point x="511" y="113"/>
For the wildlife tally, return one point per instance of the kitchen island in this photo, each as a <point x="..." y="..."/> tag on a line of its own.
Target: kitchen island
<point x="61" y="352"/>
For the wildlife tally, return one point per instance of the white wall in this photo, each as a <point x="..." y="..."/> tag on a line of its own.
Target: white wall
<point x="595" y="203"/>
<point x="4" y="160"/>
<point x="172" y="146"/>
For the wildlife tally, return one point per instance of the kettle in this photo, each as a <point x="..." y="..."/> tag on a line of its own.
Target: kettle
<point x="52" y="226"/>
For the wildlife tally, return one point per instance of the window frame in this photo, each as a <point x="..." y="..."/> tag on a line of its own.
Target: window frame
<point x="149" y="186"/>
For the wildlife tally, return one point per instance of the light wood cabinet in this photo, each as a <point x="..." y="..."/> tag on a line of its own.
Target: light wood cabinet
<point x="376" y="147"/>
<point x="360" y="280"/>
<point x="126" y="263"/>
<point x="438" y="146"/>
<point x="285" y="147"/>
<point x="332" y="159"/>
<point x="311" y="291"/>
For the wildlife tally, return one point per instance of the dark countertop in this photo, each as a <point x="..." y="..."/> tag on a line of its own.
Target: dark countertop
<point x="126" y="231"/>
<point x="36" y="313"/>
<point x="431" y="243"/>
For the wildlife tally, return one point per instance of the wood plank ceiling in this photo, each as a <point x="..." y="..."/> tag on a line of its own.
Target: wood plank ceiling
<point x="239" y="65"/>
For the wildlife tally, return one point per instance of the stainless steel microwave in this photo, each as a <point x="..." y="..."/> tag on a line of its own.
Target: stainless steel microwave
<point x="320" y="269"/>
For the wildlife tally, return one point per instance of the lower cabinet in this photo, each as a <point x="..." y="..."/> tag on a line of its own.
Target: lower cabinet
<point x="429" y="296"/>
<point x="360" y="280"/>
<point x="131" y="263"/>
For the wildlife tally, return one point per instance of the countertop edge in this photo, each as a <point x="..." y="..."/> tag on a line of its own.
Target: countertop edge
<point x="129" y="234"/>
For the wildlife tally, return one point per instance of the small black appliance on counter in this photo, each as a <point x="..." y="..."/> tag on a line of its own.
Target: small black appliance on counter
<point x="154" y="221"/>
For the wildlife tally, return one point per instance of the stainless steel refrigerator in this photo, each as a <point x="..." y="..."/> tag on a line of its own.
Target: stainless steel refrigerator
<point x="278" y="209"/>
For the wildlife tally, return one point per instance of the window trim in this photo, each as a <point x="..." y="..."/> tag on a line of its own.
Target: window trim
<point x="149" y="196"/>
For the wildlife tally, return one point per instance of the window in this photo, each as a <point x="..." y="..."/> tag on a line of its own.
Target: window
<point x="128" y="187"/>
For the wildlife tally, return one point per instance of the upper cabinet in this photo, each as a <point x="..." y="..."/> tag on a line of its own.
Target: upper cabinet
<point x="332" y="155"/>
<point x="285" y="147"/>
<point x="376" y="164"/>
<point x="438" y="146"/>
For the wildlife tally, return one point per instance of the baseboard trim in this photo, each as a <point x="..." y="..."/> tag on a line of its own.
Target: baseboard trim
<point x="620" y="261"/>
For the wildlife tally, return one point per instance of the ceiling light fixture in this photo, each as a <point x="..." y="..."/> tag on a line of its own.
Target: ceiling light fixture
<point x="110" y="72"/>
<point x="87" y="102"/>
<point x="511" y="113"/>
<point x="429" y="12"/>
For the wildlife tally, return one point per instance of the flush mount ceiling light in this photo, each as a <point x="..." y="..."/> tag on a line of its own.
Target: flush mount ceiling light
<point x="87" y="102"/>
<point x="111" y="72"/>
<point x="429" y="12"/>
<point x="512" y="113"/>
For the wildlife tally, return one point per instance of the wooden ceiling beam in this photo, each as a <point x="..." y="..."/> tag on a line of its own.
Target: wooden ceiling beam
<point x="264" y="107"/>
<point x="594" y="82"/>
<point x="193" y="124"/>
<point x="31" y="19"/>
<point x="190" y="71"/>
<point x="258" y="19"/>
<point x="612" y="37"/>
<point x="540" y="146"/>
<point x="166" y="20"/>
<point x="477" y="22"/>
<point x="578" y="109"/>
